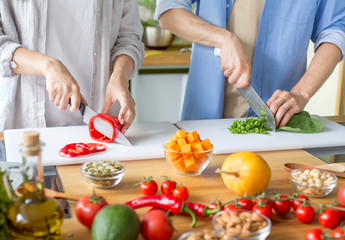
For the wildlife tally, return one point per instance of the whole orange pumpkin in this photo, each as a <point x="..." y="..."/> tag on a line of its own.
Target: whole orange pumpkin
<point x="248" y="173"/>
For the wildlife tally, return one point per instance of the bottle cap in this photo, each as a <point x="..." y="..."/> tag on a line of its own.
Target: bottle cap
<point x="31" y="138"/>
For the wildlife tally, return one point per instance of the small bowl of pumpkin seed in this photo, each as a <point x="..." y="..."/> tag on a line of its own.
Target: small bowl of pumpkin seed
<point x="103" y="174"/>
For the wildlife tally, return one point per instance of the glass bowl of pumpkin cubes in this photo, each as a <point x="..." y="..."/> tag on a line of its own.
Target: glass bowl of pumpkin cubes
<point x="103" y="174"/>
<point x="187" y="154"/>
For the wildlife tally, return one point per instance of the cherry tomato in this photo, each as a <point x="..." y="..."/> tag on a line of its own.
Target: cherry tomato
<point x="156" y="225"/>
<point x="215" y="204"/>
<point x="314" y="234"/>
<point x="87" y="208"/>
<point x="231" y="206"/>
<point x="148" y="187"/>
<point x="340" y="212"/>
<point x="341" y="195"/>
<point x="181" y="192"/>
<point x="297" y="202"/>
<point x="329" y="218"/>
<point x="339" y="233"/>
<point x="168" y="186"/>
<point x="264" y="210"/>
<point x="282" y="207"/>
<point x="305" y="214"/>
<point x="262" y="201"/>
<point x="246" y="204"/>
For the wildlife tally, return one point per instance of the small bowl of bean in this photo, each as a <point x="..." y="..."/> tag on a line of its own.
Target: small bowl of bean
<point x="241" y="224"/>
<point x="313" y="183"/>
<point x="103" y="174"/>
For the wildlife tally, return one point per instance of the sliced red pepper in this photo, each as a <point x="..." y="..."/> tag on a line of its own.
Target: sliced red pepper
<point x="78" y="149"/>
<point x="112" y="121"/>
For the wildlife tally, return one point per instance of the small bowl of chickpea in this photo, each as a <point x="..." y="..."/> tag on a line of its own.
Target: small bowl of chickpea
<point x="313" y="183"/>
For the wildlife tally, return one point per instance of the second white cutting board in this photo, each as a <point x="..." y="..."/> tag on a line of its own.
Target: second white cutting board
<point x="147" y="140"/>
<point x="332" y="135"/>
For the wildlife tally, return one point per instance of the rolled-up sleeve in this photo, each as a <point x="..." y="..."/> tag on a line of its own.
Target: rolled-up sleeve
<point x="336" y="37"/>
<point x="7" y="48"/>
<point x="165" y="5"/>
<point x="329" y="24"/>
<point x="128" y="41"/>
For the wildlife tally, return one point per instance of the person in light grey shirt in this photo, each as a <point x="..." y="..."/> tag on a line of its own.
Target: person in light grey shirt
<point x="55" y="51"/>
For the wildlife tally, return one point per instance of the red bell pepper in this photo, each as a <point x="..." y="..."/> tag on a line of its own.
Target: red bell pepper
<point x="78" y="149"/>
<point x="112" y="121"/>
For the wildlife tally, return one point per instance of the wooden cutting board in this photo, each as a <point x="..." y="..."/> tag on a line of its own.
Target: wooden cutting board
<point x="146" y="138"/>
<point x="333" y="134"/>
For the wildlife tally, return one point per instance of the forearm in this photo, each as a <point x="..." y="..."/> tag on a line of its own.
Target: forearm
<point x="321" y="67"/>
<point x="122" y="69"/>
<point x="192" y="28"/>
<point x="31" y="63"/>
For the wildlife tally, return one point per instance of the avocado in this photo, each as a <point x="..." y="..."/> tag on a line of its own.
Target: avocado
<point x="116" y="222"/>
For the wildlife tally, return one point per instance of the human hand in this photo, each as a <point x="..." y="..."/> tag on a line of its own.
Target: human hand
<point x="284" y="105"/>
<point x="61" y="86"/>
<point x="234" y="62"/>
<point x="116" y="93"/>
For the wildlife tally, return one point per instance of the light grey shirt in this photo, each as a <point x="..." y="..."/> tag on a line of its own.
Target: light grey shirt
<point x="24" y="24"/>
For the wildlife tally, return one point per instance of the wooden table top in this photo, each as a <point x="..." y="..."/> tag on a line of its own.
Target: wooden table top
<point x="203" y="189"/>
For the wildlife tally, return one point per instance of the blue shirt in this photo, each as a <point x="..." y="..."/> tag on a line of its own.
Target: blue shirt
<point x="280" y="54"/>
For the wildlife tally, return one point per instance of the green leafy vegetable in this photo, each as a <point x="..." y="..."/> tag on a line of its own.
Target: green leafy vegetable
<point x="4" y="203"/>
<point x="250" y="125"/>
<point x="303" y="123"/>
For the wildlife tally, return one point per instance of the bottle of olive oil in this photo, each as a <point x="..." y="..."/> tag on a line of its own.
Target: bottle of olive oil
<point x="33" y="215"/>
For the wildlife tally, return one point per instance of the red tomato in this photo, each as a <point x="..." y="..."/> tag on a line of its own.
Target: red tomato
<point x="181" y="192"/>
<point x="305" y="214"/>
<point x="313" y="234"/>
<point x="231" y="206"/>
<point x="339" y="233"/>
<point x="329" y="218"/>
<point x="265" y="210"/>
<point x="215" y="204"/>
<point x="168" y="186"/>
<point x="262" y="201"/>
<point x="246" y="204"/>
<point x="87" y="208"/>
<point x="282" y="207"/>
<point x="297" y="202"/>
<point x="156" y="225"/>
<point x="340" y="212"/>
<point x="341" y="195"/>
<point x="148" y="187"/>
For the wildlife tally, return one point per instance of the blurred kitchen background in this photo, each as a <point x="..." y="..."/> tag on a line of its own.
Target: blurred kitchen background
<point x="158" y="88"/>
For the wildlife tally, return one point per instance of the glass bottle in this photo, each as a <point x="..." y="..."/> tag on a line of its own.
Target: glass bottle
<point x="33" y="215"/>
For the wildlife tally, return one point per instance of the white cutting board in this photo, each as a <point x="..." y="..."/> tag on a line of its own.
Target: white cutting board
<point x="216" y="130"/>
<point x="146" y="138"/>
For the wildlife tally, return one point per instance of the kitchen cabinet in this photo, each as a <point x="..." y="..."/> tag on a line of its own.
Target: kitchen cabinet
<point x="158" y="87"/>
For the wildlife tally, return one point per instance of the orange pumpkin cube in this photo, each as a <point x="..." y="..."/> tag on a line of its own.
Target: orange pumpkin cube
<point x="179" y="165"/>
<point x="190" y="163"/>
<point x="206" y="144"/>
<point x="181" y="133"/>
<point x="173" y="138"/>
<point x="193" y="136"/>
<point x="181" y="142"/>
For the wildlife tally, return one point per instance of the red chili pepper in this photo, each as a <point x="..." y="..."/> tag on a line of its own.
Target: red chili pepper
<point x="78" y="149"/>
<point x="201" y="210"/>
<point x="165" y="202"/>
<point x="112" y="121"/>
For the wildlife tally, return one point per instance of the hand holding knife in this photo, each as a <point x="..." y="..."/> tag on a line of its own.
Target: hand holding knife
<point x="102" y="126"/>
<point x="254" y="101"/>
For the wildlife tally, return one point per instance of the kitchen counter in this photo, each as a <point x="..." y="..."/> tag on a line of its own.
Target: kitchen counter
<point x="203" y="189"/>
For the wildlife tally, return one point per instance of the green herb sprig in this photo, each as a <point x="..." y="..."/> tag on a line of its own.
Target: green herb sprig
<point x="250" y="125"/>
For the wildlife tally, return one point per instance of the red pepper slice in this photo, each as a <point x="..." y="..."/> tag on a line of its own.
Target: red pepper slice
<point x="78" y="149"/>
<point x="112" y="121"/>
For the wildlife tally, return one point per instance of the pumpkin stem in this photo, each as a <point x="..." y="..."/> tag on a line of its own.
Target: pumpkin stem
<point x="226" y="172"/>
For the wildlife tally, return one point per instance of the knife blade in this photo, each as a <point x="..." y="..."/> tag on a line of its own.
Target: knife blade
<point x="101" y="126"/>
<point x="254" y="101"/>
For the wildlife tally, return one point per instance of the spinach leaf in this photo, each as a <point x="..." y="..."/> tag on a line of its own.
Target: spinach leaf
<point x="4" y="202"/>
<point x="303" y="123"/>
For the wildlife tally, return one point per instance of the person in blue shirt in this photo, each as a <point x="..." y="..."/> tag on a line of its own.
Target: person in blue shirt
<point x="277" y="70"/>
